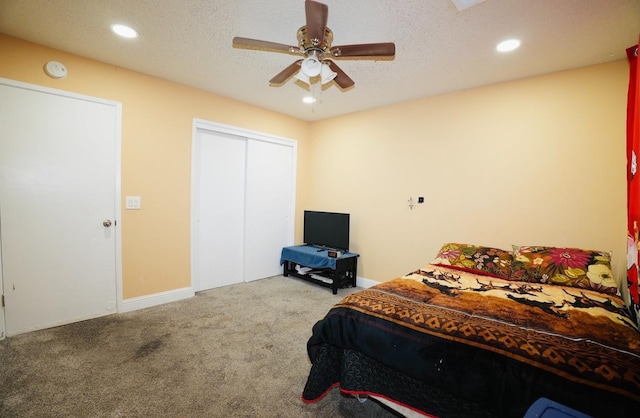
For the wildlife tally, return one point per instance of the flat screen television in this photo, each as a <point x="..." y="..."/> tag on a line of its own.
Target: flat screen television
<point x="326" y="229"/>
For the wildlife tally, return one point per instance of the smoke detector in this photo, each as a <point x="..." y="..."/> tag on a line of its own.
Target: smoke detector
<point x="55" y="69"/>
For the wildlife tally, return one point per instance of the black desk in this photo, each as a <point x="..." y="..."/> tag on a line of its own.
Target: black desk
<point x="314" y="265"/>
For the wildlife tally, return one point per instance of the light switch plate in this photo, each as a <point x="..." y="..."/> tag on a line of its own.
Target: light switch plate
<point x="132" y="202"/>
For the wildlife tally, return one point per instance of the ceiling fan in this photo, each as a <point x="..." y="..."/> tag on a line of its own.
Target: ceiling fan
<point x="314" y="44"/>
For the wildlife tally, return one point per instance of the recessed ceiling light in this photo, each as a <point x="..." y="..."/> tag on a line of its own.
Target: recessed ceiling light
<point x="508" y="45"/>
<point x="124" y="31"/>
<point x="309" y="99"/>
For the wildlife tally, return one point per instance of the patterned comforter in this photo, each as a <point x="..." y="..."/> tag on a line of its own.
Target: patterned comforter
<point x="462" y="344"/>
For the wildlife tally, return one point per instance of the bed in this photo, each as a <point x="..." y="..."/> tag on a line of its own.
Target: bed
<point x="484" y="332"/>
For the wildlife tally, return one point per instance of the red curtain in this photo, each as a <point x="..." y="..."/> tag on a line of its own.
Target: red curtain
<point x="633" y="181"/>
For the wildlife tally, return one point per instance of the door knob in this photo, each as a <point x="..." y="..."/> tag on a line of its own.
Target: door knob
<point x="106" y="223"/>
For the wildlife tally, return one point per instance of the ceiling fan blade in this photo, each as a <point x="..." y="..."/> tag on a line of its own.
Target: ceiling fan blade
<point x="342" y="79"/>
<point x="317" y="16"/>
<point x="285" y="74"/>
<point x="387" y="49"/>
<point x="248" y="43"/>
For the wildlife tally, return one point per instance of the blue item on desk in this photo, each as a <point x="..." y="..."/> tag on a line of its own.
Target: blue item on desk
<point x="310" y="256"/>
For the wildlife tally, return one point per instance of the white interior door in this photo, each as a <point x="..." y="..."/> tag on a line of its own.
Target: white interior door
<point x="218" y="209"/>
<point x="242" y="204"/>
<point x="58" y="184"/>
<point x="3" y="331"/>
<point x="268" y="213"/>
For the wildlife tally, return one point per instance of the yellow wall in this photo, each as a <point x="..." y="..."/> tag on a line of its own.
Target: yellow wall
<point x="157" y="119"/>
<point x="539" y="161"/>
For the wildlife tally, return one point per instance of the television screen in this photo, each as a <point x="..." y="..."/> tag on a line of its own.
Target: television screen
<point x="326" y="229"/>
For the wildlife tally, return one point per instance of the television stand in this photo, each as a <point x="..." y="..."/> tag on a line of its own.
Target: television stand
<point x="313" y="264"/>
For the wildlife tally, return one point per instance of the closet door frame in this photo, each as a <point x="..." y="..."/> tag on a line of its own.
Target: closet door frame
<point x="202" y="124"/>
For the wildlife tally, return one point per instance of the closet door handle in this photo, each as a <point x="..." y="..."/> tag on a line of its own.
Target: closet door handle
<point x="106" y="223"/>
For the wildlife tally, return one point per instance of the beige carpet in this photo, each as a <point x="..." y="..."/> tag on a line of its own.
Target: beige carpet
<point x="236" y="351"/>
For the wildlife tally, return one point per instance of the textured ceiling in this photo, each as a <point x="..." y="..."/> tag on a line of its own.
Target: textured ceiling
<point x="439" y="48"/>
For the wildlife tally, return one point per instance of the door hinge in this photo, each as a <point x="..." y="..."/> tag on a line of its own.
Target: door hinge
<point x="2" y="300"/>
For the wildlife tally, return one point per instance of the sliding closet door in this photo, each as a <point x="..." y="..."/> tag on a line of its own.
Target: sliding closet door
<point x="218" y="209"/>
<point x="268" y="217"/>
<point x="243" y="185"/>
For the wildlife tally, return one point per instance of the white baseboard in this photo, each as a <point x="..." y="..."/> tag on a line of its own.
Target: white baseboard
<point x="365" y="283"/>
<point x="147" y="301"/>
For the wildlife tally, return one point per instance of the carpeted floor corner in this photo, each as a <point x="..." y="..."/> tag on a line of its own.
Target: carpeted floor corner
<point x="235" y="351"/>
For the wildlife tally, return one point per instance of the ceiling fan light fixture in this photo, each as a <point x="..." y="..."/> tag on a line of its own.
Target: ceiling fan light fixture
<point x="311" y="66"/>
<point x="303" y="77"/>
<point x="326" y="74"/>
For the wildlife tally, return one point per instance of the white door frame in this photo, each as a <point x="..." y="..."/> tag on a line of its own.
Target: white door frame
<point x="249" y="134"/>
<point x="118" y="181"/>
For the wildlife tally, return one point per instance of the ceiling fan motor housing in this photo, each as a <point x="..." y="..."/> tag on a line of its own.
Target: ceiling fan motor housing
<point x="307" y="44"/>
